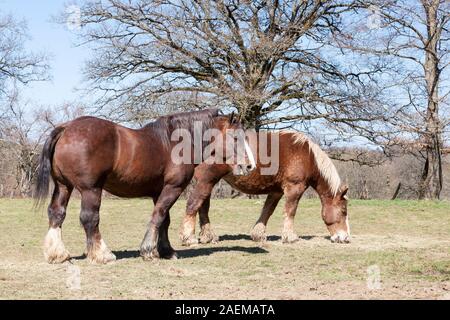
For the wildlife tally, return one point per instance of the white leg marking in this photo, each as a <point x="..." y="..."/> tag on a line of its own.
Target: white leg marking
<point x="54" y="250"/>
<point x="340" y="237"/>
<point x="347" y="224"/>
<point x="101" y="253"/>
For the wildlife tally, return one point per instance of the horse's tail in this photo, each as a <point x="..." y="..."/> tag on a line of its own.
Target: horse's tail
<point x="45" y="167"/>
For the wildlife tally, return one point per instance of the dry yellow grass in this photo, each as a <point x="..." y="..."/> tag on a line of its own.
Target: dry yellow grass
<point x="408" y="241"/>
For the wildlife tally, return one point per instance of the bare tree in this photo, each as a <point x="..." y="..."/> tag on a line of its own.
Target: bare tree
<point x="416" y="35"/>
<point x="16" y="63"/>
<point x="21" y="136"/>
<point x="52" y="117"/>
<point x="19" y="142"/>
<point x="272" y="60"/>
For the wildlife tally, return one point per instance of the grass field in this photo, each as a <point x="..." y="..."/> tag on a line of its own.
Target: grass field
<point x="407" y="241"/>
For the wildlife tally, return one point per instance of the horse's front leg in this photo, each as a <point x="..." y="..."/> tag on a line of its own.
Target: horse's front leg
<point x="156" y="241"/>
<point x="293" y="193"/>
<point x="259" y="230"/>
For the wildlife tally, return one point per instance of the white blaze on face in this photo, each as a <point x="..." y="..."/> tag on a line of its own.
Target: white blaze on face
<point x="250" y="156"/>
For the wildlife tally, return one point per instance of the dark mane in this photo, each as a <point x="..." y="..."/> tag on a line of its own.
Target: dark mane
<point x="165" y="125"/>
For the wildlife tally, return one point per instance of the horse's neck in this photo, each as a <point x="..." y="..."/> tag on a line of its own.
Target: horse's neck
<point x="323" y="189"/>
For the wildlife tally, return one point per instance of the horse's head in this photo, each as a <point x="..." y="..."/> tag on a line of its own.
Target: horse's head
<point x="234" y="148"/>
<point x="334" y="214"/>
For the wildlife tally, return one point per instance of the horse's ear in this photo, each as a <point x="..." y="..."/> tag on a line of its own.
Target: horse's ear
<point x="344" y="190"/>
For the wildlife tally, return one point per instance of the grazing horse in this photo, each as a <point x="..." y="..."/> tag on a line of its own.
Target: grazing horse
<point x="301" y="164"/>
<point x="93" y="155"/>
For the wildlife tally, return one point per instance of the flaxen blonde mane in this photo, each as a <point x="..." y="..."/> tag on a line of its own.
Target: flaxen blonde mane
<point x="324" y="164"/>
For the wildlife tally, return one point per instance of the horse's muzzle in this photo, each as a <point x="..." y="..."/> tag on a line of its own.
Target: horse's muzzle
<point x="243" y="169"/>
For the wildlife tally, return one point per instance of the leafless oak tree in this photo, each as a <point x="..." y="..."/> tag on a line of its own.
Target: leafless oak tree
<point x="16" y="63"/>
<point x="269" y="59"/>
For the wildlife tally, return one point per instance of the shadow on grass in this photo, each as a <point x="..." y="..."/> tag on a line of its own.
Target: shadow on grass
<point x="197" y="252"/>
<point x="186" y="253"/>
<point x="123" y="254"/>
<point x="233" y="237"/>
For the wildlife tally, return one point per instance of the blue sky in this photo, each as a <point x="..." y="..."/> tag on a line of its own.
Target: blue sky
<point x="66" y="60"/>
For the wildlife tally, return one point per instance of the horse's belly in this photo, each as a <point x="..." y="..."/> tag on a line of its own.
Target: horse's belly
<point x="254" y="183"/>
<point x="133" y="189"/>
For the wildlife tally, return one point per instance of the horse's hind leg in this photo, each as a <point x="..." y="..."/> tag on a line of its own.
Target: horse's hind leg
<point x="97" y="251"/>
<point x="54" y="250"/>
<point x="293" y="194"/>
<point x="198" y="202"/>
<point x="259" y="230"/>
<point x="207" y="234"/>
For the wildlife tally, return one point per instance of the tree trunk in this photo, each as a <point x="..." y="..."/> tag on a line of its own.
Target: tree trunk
<point x="251" y="116"/>
<point x="431" y="180"/>
<point x="397" y="191"/>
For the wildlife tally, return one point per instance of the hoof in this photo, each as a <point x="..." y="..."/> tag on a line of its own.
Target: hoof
<point x="174" y="256"/>
<point x="165" y="251"/>
<point x="340" y="237"/>
<point x="150" y="255"/>
<point x="169" y="255"/>
<point x="57" y="257"/>
<point x="208" y="236"/>
<point x="189" y="241"/>
<point x="104" y="258"/>
<point x="155" y="255"/>
<point x="258" y="233"/>
<point x="100" y="254"/>
<point x="289" y="237"/>
<point x="54" y="250"/>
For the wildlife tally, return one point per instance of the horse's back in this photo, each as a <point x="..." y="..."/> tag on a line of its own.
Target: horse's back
<point x="93" y="152"/>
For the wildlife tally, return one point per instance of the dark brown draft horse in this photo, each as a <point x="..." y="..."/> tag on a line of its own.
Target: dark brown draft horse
<point x="301" y="164"/>
<point x="92" y="155"/>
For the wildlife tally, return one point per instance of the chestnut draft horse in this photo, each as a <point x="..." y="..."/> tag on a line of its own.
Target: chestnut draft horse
<point x="92" y="155"/>
<point x="301" y="164"/>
